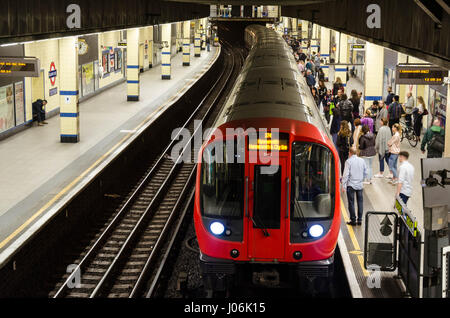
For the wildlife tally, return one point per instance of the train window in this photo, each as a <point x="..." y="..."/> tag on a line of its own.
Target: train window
<point x="222" y="182"/>
<point x="267" y="199"/>
<point x="313" y="181"/>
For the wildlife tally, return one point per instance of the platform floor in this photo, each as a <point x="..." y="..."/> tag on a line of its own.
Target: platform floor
<point x="37" y="171"/>
<point x="379" y="196"/>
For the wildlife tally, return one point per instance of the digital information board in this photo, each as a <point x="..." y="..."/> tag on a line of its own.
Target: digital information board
<point x="420" y="75"/>
<point x="19" y="66"/>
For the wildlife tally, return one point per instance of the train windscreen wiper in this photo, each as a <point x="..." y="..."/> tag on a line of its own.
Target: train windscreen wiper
<point x="302" y="218"/>
<point x="263" y="228"/>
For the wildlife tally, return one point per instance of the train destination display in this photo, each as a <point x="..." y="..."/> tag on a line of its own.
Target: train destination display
<point x="19" y="66"/>
<point x="280" y="142"/>
<point x="420" y="75"/>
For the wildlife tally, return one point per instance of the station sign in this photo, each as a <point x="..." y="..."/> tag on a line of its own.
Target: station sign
<point x="358" y="47"/>
<point x="122" y="44"/>
<point x="420" y="75"/>
<point x="52" y="73"/>
<point x="19" y="66"/>
<point x="267" y="143"/>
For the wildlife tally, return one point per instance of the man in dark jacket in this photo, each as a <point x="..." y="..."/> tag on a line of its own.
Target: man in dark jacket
<point x="346" y="109"/>
<point x="38" y="108"/>
<point x="390" y="96"/>
<point x="434" y="139"/>
<point x="394" y="111"/>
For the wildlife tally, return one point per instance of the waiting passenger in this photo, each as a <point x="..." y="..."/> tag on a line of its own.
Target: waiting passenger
<point x="394" y="150"/>
<point x="337" y="85"/>
<point x="390" y="96"/>
<point x="355" y="100"/>
<point x="382" y="114"/>
<point x="346" y="109"/>
<point x="434" y="140"/>
<point x="344" y="142"/>
<point x="310" y="80"/>
<point x="335" y="124"/>
<point x="409" y="106"/>
<point x="381" y="145"/>
<point x="357" y="134"/>
<point x="355" y="172"/>
<point x="405" y="177"/>
<point x="419" y="112"/>
<point x="367" y="150"/>
<point x="38" y="108"/>
<point x="315" y="95"/>
<point x="367" y="120"/>
<point x="395" y="111"/>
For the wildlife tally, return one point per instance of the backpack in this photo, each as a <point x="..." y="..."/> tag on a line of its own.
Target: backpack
<point x="437" y="143"/>
<point x="346" y="109"/>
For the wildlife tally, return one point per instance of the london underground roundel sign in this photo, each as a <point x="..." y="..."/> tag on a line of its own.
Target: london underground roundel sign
<point x="52" y="73"/>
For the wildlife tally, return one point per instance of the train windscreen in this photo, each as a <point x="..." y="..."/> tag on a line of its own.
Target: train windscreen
<point x="313" y="181"/>
<point x="222" y="182"/>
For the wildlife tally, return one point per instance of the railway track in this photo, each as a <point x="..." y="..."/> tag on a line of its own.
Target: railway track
<point x="124" y="253"/>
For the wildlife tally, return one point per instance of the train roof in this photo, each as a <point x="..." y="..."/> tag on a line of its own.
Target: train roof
<point x="270" y="84"/>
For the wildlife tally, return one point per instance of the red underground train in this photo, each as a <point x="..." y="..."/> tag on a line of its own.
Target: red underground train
<point x="267" y="187"/>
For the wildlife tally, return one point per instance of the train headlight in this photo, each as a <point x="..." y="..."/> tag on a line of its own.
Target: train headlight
<point x="217" y="228"/>
<point x="316" y="230"/>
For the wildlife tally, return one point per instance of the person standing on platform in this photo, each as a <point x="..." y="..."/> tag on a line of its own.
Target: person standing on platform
<point x="405" y="177"/>
<point x="322" y="91"/>
<point x="328" y="105"/>
<point x="357" y="134"/>
<point x="367" y="150"/>
<point x="301" y="66"/>
<point x="346" y="109"/>
<point x="367" y="120"/>
<point x="335" y="124"/>
<point x="316" y="97"/>
<point x="434" y="140"/>
<point x="394" y="150"/>
<point x="381" y="145"/>
<point x="355" y="171"/>
<point x="382" y="114"/>
<point x="38" y="108"/>
<point x="361" y="103"/>
<point x="301" y="56"/>
<point x="344" y="142"/>
<point x="390" y="96"/>
<point x="419" y="112"/>
<point x="356" y="101"/>
<point x="310" y="80"/>
<point x="374" y="110"/>
<point x="337" y="85"/>
<point x="395" y="112"/>
<point x="409" y="105"/>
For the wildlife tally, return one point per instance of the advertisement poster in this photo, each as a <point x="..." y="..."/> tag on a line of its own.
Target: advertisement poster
<point x="105" y="63"/>
<point x="87" y="78"/>
<point x="20" y="110"/>
<point x="438" y="106"/>
<point x="6" y="107"/>
<point x="111" y="62"/>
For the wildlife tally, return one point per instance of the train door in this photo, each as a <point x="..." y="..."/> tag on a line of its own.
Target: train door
<point x="267" y="209"/>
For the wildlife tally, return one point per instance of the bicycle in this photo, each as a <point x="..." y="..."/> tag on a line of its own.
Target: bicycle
<point x="408" y="133"/>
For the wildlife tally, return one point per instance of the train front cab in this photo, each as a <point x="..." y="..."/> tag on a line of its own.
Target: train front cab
<point x="279" y="210"/>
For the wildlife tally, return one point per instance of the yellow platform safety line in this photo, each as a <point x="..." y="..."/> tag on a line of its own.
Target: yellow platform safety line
<point x="85" y="172"/>
<point x="357" y="249"/>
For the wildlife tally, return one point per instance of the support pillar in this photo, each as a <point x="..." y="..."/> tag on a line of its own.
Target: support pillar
<point x="340" y="70"/>
<point x="186" y="43"/>
<point x="373" y="68"/>
<point x="325" y="49"/>
<point x="294" y="28"/>
<point x="203" y="35"/>
<point x="133" y="64"/>
<point x="197" y="40"/>
<point x="305" y="29"/>
<point x="166" y="34"/>
<point x="68" y="90"/>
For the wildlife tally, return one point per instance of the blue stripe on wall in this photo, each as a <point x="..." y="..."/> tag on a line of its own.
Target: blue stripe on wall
<point x="68" y="93"/>
<point x="186" y="53"/>
<point x="132" y="82"/>
<point x="186" y="44"/>
<point x="68" y="114"/>
<point x="321" y="54"/>
<point x="132" y="66"/>
<point x="323" y="66"/>
<point x="133" y="95"/>
<point x="165" y="64"/>
<point x="373" y="98"/>
<point x="167" y="53"/>
<point x="73" y="136"/>
<point x="340" y="69"/>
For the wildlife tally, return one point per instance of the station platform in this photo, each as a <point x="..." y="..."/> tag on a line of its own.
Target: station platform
<point x="40" y="174"/>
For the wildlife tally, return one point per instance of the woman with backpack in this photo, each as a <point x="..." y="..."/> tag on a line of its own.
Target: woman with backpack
<point x="344" y="141"/>
<point x="367" y="150"/>
<point x="355" y="100"/>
